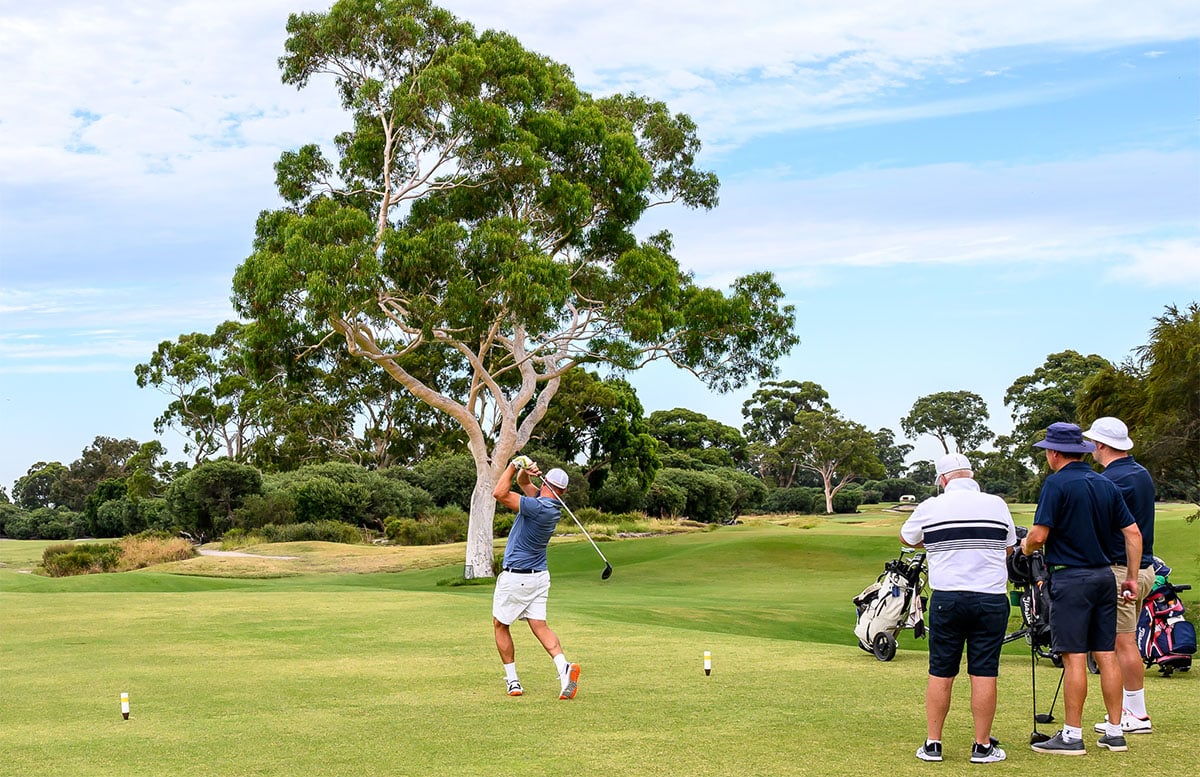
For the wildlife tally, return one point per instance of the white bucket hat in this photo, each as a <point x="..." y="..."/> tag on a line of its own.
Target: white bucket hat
<point x="1110" y="431"/>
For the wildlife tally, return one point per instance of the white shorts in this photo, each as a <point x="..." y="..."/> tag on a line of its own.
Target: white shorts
<point x="521" y="597"/>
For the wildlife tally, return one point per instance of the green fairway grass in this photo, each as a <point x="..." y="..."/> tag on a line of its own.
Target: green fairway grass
<point x="395" y="673"/>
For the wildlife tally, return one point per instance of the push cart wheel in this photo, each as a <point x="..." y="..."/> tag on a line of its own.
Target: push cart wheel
<point x="1093" y="668"/>
<point x="885" y="646"/>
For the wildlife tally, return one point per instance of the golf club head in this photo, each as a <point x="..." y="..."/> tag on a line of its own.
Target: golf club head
<point x="1043" y="717"/>
<point x="1038" y="737"/>
<point x="607" y="573"/>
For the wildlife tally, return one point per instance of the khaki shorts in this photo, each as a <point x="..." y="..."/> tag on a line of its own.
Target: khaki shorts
<point x="521" y="596"/>
<point x="1128" y="610"/>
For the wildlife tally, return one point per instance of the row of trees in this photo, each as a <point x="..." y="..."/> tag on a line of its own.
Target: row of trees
<point x="792" y="444"/>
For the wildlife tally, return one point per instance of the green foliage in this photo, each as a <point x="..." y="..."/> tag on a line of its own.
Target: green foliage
<point x="204" y="499"/>
<point x="771" y="410"/>
<point x="434" y="529"/>
<point x="1048" y="395"/>
<point x="336" y="491"/>
<point x="794" y="500"/>
<point x="276" y="506"/>
<point x="44" y="523"/>
<point x="709" y="497"/>
<point x="83" y="559"/>
<point x="1156" y="396"/>
<point x="106" y="459"/>
<point x="696" y="435"/>
<point x="891" y="455"/>
<point x="312" y="531"/>
<point x="665" y="499"/>
<point x="619" y="494"/>
<point x="600" y="419"/>
<point x="113" y="522"/>
<point x="958" y="416"/>
<point x="38" y="486"/>
<point x="751" y="492"/>
<point x="847" y="500"/>
<point x="449" y="480"/>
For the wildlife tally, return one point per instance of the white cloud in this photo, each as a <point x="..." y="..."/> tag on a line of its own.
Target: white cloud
<point x="1165" y="263"/>
<point x="1096" y="210"/>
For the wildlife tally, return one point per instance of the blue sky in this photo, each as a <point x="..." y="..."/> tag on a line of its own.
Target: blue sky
<point x="948" y="192"/>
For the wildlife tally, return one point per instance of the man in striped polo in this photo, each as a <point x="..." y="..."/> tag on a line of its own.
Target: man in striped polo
<point x="967" y="536"/>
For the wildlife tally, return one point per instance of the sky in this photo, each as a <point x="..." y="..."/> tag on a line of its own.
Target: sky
<point x="947" y="192"/>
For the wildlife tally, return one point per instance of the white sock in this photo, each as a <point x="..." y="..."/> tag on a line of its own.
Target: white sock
<point x="1074" y="734"/>
<point x="561" y="663"/>
<point x="1135" y="702"/>
<point x="1113" y="729"/>
<point x="510" y="671"/>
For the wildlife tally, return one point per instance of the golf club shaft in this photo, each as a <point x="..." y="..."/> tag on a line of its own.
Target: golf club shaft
<point x="558" y="499"/>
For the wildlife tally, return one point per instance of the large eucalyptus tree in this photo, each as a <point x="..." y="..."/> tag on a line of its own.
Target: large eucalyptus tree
<point x="482" y="205"/>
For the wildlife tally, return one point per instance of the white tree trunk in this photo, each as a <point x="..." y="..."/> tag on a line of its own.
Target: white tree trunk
<point x="480" y="548"/>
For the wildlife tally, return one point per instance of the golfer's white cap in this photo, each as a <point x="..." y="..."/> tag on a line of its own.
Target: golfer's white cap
<point x="557" y="478"/>
<point x="952" y="462"/>
<point x="1110" y="431"/>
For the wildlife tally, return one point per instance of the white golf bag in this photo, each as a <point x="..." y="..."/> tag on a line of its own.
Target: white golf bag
<point x="892" y="603"/>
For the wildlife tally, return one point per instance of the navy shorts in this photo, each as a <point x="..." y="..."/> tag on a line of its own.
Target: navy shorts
<point x="1083" y="610"/>
<point x="978" y="620"/>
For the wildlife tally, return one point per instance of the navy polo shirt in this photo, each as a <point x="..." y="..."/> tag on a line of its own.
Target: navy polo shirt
<point x="1137" y="487"/>
<point x="1083" y="511"/>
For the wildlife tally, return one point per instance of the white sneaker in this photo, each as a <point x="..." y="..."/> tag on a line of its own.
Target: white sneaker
<point x="989" y="755"/>
<point x="1130" y="724"/>
<point x="570" y="682"/>
<point x="514" y="688"/>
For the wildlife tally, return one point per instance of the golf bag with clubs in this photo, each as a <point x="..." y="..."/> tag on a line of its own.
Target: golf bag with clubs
<point x="894" y="602"/>
<point x="1165" y="638"/>
<point x="1030" y="578"/>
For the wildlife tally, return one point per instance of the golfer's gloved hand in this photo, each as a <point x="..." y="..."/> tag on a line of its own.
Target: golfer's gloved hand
<point x="523" y="462"/>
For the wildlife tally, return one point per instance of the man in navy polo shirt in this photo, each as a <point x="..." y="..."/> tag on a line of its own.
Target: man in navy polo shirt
<point x="1077" y="515"/>
<point x="1112" y="452"/>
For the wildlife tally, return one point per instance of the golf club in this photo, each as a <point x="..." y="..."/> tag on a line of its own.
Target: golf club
<point x="608" y="570"/>
<point x="1042" y="717"/>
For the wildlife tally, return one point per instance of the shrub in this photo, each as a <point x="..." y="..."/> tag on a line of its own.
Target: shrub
<point x="847" y="500"/>
<point x="433" y="529"/>
<point x="871" y="497"/>
<point x="790" y="500"/>
<point x="665" y="500"/>
<point x="113" y="518"/>
<point x="71" y="559"/>
<point x="502" y="524"/>
<point x="277" y="507"/>
<point x="449" y="480"/>
<point x="619" y="494"/>
<point x="313" y="531"/>
<point x="710" y="499"/>
<point x="751" y="492"/>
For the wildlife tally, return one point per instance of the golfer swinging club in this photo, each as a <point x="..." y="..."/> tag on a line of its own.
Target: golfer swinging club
<point x="524" y="584"/>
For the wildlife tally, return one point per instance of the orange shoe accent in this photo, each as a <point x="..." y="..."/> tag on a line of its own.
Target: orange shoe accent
<point x="572" y="687"/>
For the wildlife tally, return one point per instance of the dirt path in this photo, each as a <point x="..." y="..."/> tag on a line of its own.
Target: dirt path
<point x="239" y="554"/>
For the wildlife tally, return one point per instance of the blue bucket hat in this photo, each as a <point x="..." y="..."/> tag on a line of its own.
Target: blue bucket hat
<point x="1065" y="438"/>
